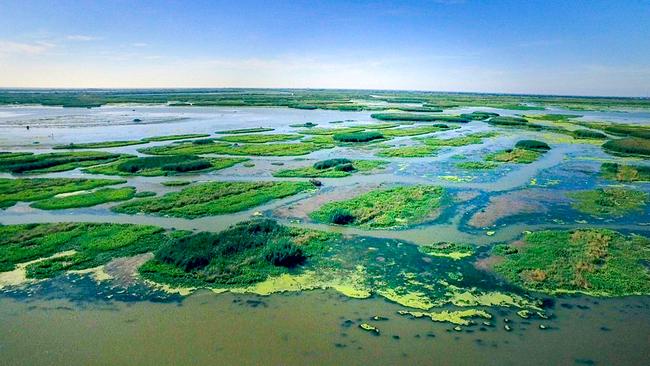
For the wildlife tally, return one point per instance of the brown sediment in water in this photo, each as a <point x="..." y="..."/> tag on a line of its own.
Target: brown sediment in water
<point x="514" y="203"/>
<point x="124" y="271"/>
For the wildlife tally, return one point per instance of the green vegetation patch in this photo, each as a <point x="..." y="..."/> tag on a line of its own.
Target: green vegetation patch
<point x="625" y="173"/>
<point x="508" y="121"/>
<point x="152" y="166"/>
<point x="214" y="198"/>
<point x="259" y="138"/>
<point x="244" y="254"/>
<point x="28" y="190"/>
<point x="245" y="130"/>
<point x="175" y="137"/>
<point x="176" y="183"/>
<point x="384" y="209"/>
<point x="333" y="168"/>
<point x="98" y="145"/>
<point x="79" y="245"/>
<point x="454" y="251"/>
<point x="358" y="136"/>
<point x="414" y="131"/>
<point x="471" y="139"/>
<point x="588" y="134"/>
<point x="518" y="156"/>
<point x="476" y="165"/>
<point x="417" y="151"/>
<point x="88" y="199"/>
<point x="629" y="146"/>
<point x="597" y="262"/>
<point x="211" y="147"/>
<point x="532" y="145"/>
<point x="304" y="125"/>
<point x="378" y="126"/>
<point x="619" y="129"/>
<point x="417" y="117"/>
<point x="610" y="201"/>
<point x="53" y="162"/>
<point x="479" y="116"/>
<point x="331" y="131"/>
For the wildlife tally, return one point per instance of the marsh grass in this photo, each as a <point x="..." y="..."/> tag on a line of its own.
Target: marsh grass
<point x="29" y="190"/>
<point x="214" y="198"/>
<point x="89" y="199"/>
<point x="386" y="208"/>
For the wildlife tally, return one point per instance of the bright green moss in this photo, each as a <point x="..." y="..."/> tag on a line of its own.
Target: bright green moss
<point x="330" y="131"/>
<point x="385" y="208"/>
<point x="476" y="165"/>
<point x="454" y="251"/>
<point x="414" y="131"/>
<point x="471" y="139"/>
<point x="271" y="149"/>
<point x="214" y="198"/>
<point x="417" y="117"/>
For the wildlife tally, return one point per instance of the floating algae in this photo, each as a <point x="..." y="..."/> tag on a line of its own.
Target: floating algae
<point x="460" y="317"/>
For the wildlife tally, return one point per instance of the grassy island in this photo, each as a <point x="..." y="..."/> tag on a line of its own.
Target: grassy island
<point x="385" y="208"/>
<point x="609" y="201"/>
<point x="152" y="166"/>
<point x="214" y="198"/>
<point x="29" y="190"/>
<point x="597" y="262"/>
<point x="332" y="168"/>
<point x="88" y="199"/>
<point x="52" y="162"/>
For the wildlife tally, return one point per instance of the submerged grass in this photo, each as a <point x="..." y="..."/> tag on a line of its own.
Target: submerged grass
<point x="471" y="139"/>
<point x="385" y="208"/>
<point x="610" y="201"/>
<point x="625" y="173"/>
<point x="94" y="198"/>
<point x="596" y="262"/>
<point x="214" y="198"/>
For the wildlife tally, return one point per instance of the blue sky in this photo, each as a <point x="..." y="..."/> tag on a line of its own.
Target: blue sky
<point x="555" y="47"/>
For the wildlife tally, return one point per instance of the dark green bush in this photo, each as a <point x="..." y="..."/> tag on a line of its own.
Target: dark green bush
<point x="283" y="252"/>
<point x="345" y="167"/>
<point x="588" y="134"/>
<point x="628" y="145"/>
<point x="329" y="163"/>
<point x="358" y="136"/>
<point x="533" y="145"/>
<point x="203" y="141"/>
<point x="187" y="166"/>
<point x="341" y="217"/>
<point x="508" y="121"/>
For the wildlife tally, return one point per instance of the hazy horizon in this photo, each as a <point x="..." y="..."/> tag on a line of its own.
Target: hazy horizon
<point x="506" y="47"/>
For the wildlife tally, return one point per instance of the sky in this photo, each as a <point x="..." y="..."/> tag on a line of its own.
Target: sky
<point x="574" y="47"/>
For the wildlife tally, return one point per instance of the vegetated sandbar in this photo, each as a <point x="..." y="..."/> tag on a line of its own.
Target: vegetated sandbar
<point x="332" y="168"/>
<point x="53" y="162"/>
<point x="152" y="166"/>
<point x="214" y="198"/>
<point x="86" y="199"/>
<point x="211" y="147"/>
<point x="260" y="138"/>
<point x="28" y="190"/>
<point x="385" y="208"/>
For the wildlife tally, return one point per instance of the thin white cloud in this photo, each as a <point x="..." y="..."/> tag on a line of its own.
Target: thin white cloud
<point x="24" y="48"/>
<point x="81" y="38"/>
